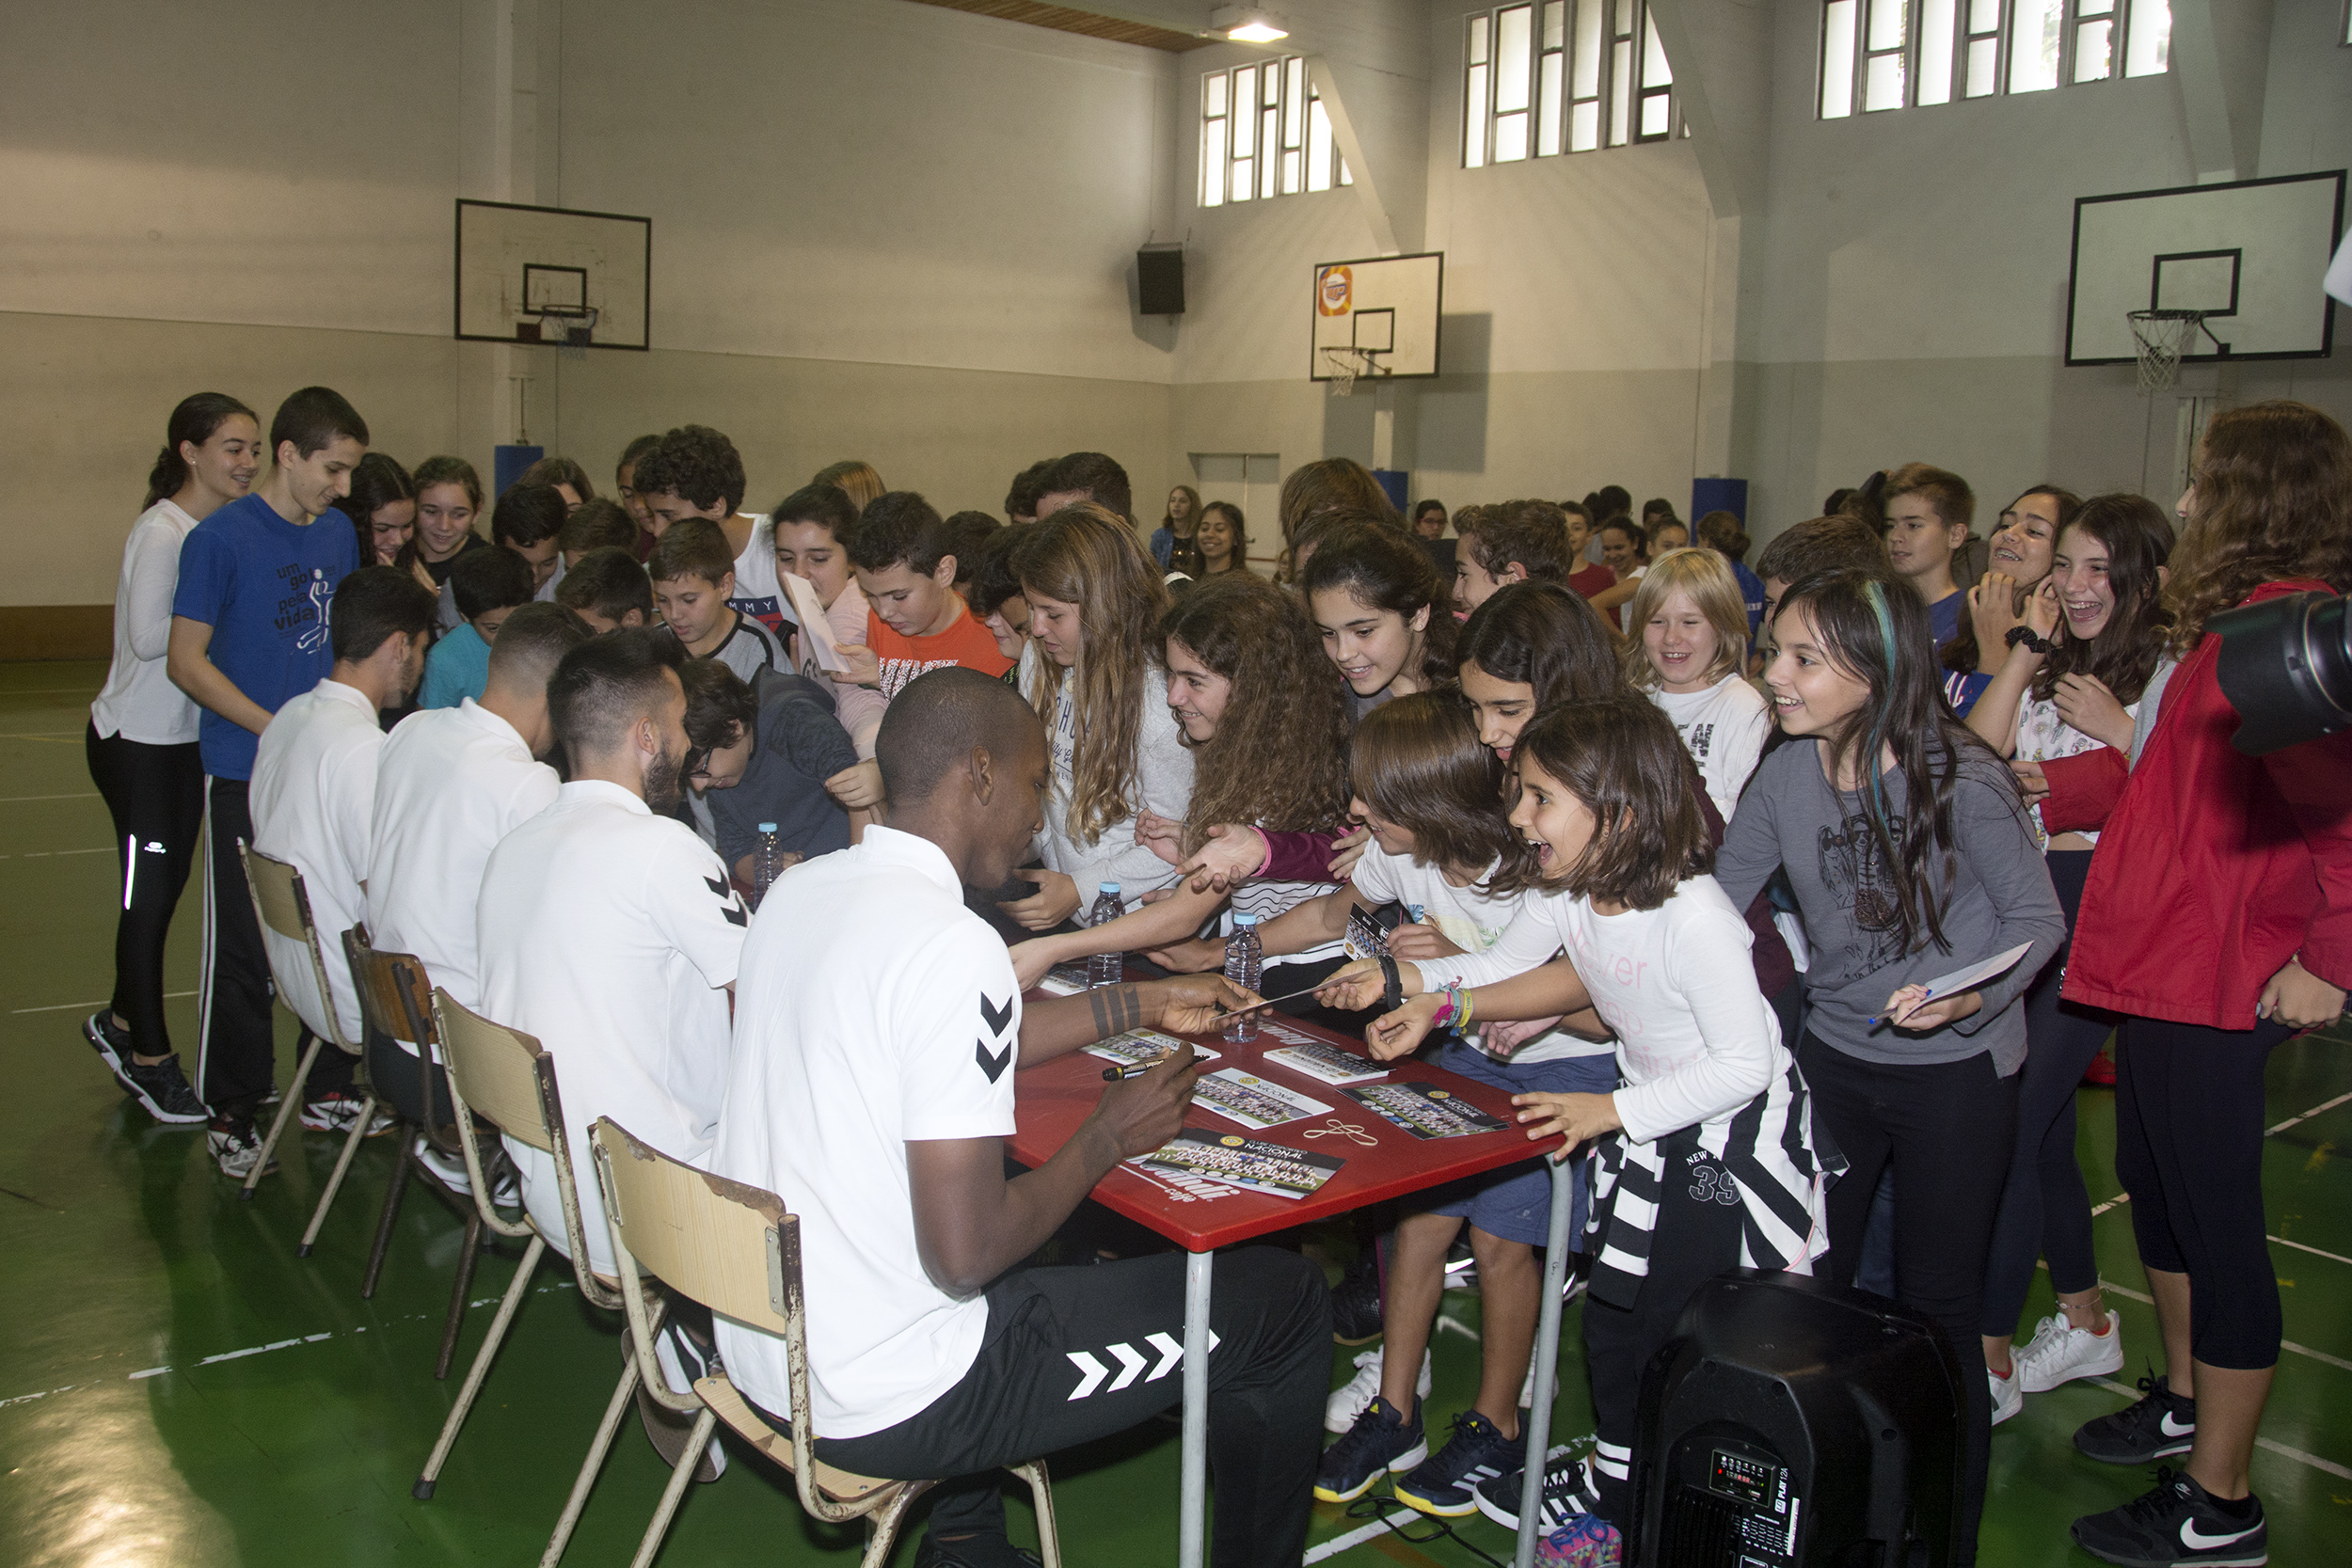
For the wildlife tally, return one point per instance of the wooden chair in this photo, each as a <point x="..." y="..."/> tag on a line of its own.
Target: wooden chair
<point x="735" y="1249"/>
<point x="396" y="1001"/>
<point x="507" y="1080"/>
<point x="281" y="905"/>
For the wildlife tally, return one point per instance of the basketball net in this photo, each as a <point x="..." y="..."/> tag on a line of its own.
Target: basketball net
<point x="2163" y="337"/>
<point x="1345" y="365"/>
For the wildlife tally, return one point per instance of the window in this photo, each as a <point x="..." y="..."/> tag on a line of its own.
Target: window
<point x="1560" y="76"/>
<point x="1880" y="54"/>
<point x="1265" y="133"/>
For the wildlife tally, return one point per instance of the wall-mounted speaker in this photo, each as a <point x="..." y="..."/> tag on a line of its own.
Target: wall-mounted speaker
<point x="1160" y="280"/>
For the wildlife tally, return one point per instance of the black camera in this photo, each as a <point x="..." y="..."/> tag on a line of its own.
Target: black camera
<point x="2286" y="667"/>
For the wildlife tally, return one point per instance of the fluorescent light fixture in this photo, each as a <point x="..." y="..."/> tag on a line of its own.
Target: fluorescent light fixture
<point x="1247" y="25"/>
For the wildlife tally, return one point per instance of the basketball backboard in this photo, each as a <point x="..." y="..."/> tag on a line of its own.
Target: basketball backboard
<point x="1379" y="316"/>
<point x="549" y="275"/>
<point x="2249" y="256"/>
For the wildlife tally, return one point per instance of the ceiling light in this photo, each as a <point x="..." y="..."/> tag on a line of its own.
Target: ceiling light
<point x="1247" y="25"/>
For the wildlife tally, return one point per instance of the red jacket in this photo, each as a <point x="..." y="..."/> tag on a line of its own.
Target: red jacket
<point x="2214" y="868"/>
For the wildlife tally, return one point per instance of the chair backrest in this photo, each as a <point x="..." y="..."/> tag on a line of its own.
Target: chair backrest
<point x="502" y="1075"/>
<point x="727" y="1244"/>
<point x="395" y="995"/>
<point x="282" y="904"/>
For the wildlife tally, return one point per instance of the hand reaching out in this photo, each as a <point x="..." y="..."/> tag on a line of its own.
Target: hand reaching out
<point x="1400" y="1033"/>
<point x="1054" y="900"/>
<point x="1422" y="941"/>
<point x="864" y="665"/>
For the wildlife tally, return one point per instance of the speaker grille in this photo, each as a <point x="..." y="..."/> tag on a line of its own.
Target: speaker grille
<point x="1701" y="1531"/>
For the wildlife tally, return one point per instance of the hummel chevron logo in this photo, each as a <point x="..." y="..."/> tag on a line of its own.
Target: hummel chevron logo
<point x="717" y="885"/>
<point x="993" y="1064"/>
<point x="996" y="1017"/>
<point x="734" y="912"/>
<point x="1092" y="1371"/>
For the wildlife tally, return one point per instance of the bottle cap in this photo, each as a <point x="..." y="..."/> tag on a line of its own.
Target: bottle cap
<point x="766" y="827"/>
<point x="1111" y="888"/>
<point x="1241" y="920"/>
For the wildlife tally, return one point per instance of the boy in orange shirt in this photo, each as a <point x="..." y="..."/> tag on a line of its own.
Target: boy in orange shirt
<point x="902" y="553"/>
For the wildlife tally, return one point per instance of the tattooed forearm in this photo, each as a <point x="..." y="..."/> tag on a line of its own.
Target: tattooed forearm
<point x="1116" y="1010"/>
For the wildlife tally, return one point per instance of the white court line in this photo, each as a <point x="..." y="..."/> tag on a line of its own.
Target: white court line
<point x="46" y="854"/>
<point x="2329" y="1105"/>
<point x="2332" y="1256"/>
<point x="2131" y="1294"/>
<point x="20" y="799"/>
<point x="1356" y="1537"/>
<point x="2280" y="1449"/>
<point x="72" y="1006"/>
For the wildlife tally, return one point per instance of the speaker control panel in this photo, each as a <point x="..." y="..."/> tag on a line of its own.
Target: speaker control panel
<point x="1766" y="1507"/>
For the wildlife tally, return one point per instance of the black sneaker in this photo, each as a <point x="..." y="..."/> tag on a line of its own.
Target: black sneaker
<point x="2159" y="1423"/>
<point x="163" y="1090"/>
<point x="2179" y="1522"/>
<point x="974" y="1551"/>
<point x="1355" y="1309"/>
<point x="1383" y="1439"/>
<point x="1568" y="1491"/>
<point x="113" y="1045"/>
<point x="1477" y="1451"/>
<point x="236" y="1143"/>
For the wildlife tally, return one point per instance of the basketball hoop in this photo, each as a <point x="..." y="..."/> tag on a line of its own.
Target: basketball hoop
<point x="2163" y="337"/>
<point x="569" y="327"/>
<point x="1345" y="365"/>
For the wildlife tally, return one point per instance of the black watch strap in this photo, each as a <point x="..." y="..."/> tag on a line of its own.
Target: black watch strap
<point x="1392" y="984"/>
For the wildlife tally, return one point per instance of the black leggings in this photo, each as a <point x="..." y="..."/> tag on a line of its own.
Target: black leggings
<point x="155" y="794"/>
<point x="2188" y="1148"/>
<point x="1027" y="1395"/>
<point x="2045" y="1209"/>
<point x="1945" y="1129"/>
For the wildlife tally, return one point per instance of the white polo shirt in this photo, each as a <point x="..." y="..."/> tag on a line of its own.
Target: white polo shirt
<point x="875" y="1010"/>
<point x="314" y="802"/>
<point x="609" y="935"/>
<point x="452" y="782"/>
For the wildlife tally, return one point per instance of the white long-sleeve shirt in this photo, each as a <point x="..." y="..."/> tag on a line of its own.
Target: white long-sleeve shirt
<point x="138" y="702"/>
<point x="1695" y="1040"/>
<point x="1163" y="784"/>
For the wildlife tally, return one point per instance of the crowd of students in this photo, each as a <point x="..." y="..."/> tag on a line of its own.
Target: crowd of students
<point x="1669" y="847"/>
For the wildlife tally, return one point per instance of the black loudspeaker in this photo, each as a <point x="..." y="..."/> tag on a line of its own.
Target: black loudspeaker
<point x="1160" y="280"/>
<point x="1792" y="1421"/>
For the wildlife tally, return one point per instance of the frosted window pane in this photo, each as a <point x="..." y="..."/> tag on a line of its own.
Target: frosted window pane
<point x="1295" y="108"/>
<point x="1984" y="66"/>
<point x="1318" y="147"/>
<point x="1548" y="138"/>
<point x="2093" y="61"/>
<point x="1625" y="18"/>
<point x="1655" y="72"/>
<point x="1586" y="79"/>
<point x="1838" y="29"/>
<point x="1584" y="126"/>
<point x="1272" y="78"/>
<point x="2033" y="45"/>
<point x="1245" y="175"/>
<point x="1555" y="24"/>
<point x="1511" y="138"/>
<point x="1882" y="83"/>
<point x="1212" y="88"/>
<point x="1474" y="121"/>
<point x="1269" y="166"/>
<point x="1478" y="40"/>
<point x="1291" y="173"/>
<point x="1512" y="57"/>
<point x="1657" y="114"/>
<point x="1620" y="92"/>
<point x="1245" y="123"/>
<point x="1886" y="25"/>
<point x="2088" y="9"/>
<point x="1213" y="163"/>
<point x="1936" y="19"/>
<point x="1984" y="16"/>
<point x="2149" y="41"/>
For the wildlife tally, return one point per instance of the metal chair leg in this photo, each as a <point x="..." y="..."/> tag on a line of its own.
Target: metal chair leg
<point x="467" y="1258"/>
<point x="335" y="1181"/>
<point x="393" y="1192"/>
<point x="1041" y="1495"/>
<point x="286" y="1107"/>
<point x="881" y="1529"/>
<point x="422" y="1491"/>
<point x="613" y="1411"/>
<point x="679" y="1477"/>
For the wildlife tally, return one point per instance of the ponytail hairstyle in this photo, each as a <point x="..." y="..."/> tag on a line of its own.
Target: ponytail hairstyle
<point x="1623" y="760"/>
<point x="194" y="421"/>
<point x="1417" y="762"/>
<point x="2124" y="654"/>
<point x="1873" y="629"/>
<point x="1545" y="636"/>
<point x="1279" y="759"/>
<point x="377" y="482"/>
<point x="1962" y="652"/>
<point x="1383" y="567"/>
<point x="2272" y="499"/>
<point x="1087" y="556"/>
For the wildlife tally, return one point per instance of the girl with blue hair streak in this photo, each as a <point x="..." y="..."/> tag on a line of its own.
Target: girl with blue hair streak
<point x="1913" y="859"/>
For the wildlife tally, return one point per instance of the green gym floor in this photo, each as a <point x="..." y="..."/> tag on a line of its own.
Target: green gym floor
<point x="176" y="1387"/>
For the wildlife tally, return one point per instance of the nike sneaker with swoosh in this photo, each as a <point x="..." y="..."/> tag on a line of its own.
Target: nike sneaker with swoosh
<point x="2156" y="1425"/>
<point x="2178" y="1522"/>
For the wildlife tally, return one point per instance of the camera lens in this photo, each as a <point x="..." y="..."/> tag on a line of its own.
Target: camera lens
<point x="2286" y="667"/>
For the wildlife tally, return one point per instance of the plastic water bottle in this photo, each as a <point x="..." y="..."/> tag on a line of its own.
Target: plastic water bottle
<point x="1243" y="958"/>
<point x="767" y="863"/>
<point x="1104" y="969"/>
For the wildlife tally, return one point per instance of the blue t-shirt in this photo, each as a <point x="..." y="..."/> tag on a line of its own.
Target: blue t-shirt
<point x="1961" y="690"/>
<point x="1751" y="594"/>
<point x="264" y="585"/>
<point x="1944" y="616"/>
<point x="458" y="668"/>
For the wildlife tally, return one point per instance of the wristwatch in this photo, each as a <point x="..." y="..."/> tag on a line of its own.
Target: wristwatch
<point x="2024" y="635"/>
<point x="1392" y="985"/>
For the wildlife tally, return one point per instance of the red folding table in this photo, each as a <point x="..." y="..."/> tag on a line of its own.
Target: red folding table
<point x="1384" y="1161"/>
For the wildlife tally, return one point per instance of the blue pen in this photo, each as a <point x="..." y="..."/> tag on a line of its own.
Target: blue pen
<point x="1873" y="1023"/>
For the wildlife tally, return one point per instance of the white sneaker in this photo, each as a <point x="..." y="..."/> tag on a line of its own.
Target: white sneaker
<point x="2008" y="1399"/>
<point x="2061" y="1353"/>
<point x="1349" y="1399"/>
<point x="449" y="1169"/>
